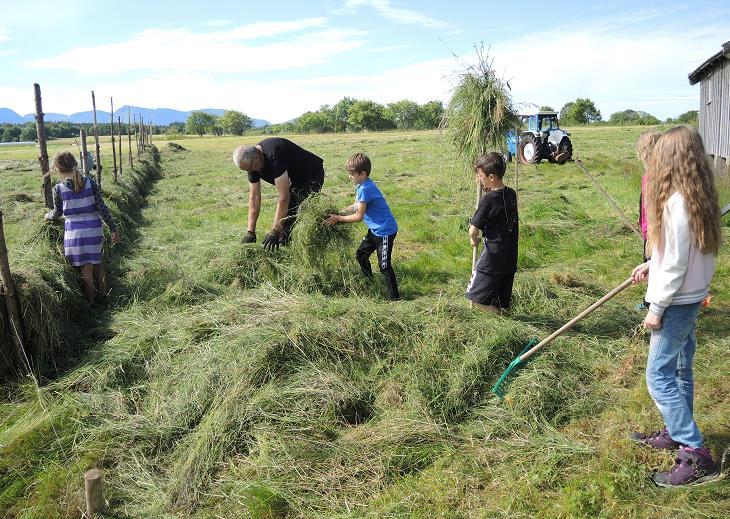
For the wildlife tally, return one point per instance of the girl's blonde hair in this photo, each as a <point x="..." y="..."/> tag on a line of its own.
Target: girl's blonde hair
<point x="645" y="144"/>
<point x="678" y="163"/>
<point x="65" y="162"/>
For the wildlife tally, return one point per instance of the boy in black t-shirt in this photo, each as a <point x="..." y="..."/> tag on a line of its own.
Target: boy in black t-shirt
<point x="490" y="288"/>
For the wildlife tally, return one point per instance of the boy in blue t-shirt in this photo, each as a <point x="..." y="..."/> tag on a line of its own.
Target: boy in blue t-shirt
<point x="370" y="206"/>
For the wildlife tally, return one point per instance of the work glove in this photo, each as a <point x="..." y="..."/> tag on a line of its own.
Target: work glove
<point x="249" y="238"/>
<point x="271" y="240"/>
<point x="285" y="238"/>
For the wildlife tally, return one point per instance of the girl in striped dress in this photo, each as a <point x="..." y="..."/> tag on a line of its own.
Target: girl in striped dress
<point x="78" y="199"/>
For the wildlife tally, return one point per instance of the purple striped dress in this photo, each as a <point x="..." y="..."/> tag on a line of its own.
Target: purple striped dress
<point x="83" y="234"/>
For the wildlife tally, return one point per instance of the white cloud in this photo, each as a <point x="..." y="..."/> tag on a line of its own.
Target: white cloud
<point x="616" y="70"/>
<point x="395" y="14"/>
<point x="182" y="50"/>
<point x="4" y="35"/>
<point x="217" y="23"/>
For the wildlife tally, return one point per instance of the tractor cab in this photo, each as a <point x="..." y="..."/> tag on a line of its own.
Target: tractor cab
<point x="542" y="121"/>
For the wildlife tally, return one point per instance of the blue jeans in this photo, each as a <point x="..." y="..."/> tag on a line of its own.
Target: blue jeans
<point x="669" y="372"/>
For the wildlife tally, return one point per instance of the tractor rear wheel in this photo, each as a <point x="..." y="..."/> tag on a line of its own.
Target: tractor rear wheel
<point x="529" y="150"/>
<point x="565" y="151"/>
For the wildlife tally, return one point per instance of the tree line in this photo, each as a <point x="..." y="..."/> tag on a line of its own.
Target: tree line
<point x="347" y="115"/>
<point x="56" y="130"/>
<point x="584" y="111"/>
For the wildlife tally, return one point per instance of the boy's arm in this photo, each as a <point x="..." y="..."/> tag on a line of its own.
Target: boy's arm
<point x="355" y="217"/>
<point x="474" y="233"/>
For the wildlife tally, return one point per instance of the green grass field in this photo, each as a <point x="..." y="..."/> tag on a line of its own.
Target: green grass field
<point x="223" y="382"/>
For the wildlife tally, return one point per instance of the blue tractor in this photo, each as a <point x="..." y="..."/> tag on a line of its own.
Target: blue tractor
<point x="543" y="139"/>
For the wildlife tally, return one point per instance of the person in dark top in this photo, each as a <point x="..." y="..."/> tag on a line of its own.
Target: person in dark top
<point x="490" y="288"/>
<point x="294" y="171"/>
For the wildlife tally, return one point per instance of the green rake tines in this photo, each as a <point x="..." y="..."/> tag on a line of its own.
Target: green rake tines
<point x="530" y="350"/>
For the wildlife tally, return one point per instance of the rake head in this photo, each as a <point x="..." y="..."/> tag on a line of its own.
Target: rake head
<point x="497" y="388"/>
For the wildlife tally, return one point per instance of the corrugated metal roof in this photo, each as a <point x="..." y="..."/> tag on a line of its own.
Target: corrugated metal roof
<point x="697" y="74"/>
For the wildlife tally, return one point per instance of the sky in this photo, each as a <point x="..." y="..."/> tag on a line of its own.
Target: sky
<point x="276" y="60"/>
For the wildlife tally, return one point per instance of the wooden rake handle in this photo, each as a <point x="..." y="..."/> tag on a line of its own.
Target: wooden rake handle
<point x="567" y="326"/>
<point x="611" y="201"/>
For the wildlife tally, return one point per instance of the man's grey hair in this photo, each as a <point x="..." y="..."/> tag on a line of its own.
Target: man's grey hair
<point x="243" y="154"/>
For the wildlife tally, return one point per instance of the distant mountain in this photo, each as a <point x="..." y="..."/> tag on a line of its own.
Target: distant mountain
<point x="161" y="116"/>
<point x="9" y="116"/>
<point x="88" y="117"/>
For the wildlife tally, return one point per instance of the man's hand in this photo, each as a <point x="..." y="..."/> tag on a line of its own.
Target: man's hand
<point x="332" y="219"/>
<point x="640" y="273"/>
<point x="652" y="322"/>
<point x="271" y="240"/>
<point x="115" y="237"/>
<point x="249" y="238"/>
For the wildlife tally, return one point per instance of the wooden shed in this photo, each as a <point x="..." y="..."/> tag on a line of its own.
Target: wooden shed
<point x="714" y="79"/>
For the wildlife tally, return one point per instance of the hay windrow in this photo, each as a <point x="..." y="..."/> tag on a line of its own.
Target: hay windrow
<point x="51" y="302"/>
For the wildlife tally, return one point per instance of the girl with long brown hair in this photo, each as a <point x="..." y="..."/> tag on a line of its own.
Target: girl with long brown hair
<point x="683" y="238"/>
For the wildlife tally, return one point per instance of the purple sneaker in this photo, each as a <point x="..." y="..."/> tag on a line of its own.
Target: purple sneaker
<point x="691" y="467"/>
<point x="655" y="440"/>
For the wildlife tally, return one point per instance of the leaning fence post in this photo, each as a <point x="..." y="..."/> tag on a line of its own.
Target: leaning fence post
<point x="40" y="127"/>
<point x="114" y="149"/>
<point x="82" y="138"/>
<point x="94" y="493"/>
<point x="96" y="140"/>
<point x="119" y="127"/>
<point x="11" y="302"/>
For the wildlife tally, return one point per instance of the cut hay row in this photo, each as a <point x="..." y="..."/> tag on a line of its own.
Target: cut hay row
<point x="51" y="302"/>
<point x="322" y="409"/>
<point x="243" y="384"/>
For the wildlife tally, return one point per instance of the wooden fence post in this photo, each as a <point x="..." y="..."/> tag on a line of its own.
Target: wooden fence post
<point x="96" y="140"/>
<point x="94" y="493"/>
<point x="11" y="302"/>
<point x="149" y="140"/>
<point x="119" y="127"/>
<point x="114" y="149"/>
<point x="82" y="137"/>
<point x="136" y="133"/>
<point x="40" y="127"/>
<point x="129" y="135"/>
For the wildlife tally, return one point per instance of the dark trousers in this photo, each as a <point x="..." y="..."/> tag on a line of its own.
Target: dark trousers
<point x="297" y="195"/>
<point x="384" y="247"/>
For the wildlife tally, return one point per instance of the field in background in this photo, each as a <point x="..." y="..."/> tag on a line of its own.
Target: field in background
<point x="225" y="392"/>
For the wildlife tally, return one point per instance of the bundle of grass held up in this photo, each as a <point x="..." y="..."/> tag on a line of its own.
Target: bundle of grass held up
<point x="480" y="111"/>
<point x="322" y="256"/>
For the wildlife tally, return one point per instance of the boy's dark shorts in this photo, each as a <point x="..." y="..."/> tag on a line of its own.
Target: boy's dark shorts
<point x="491" y="289"/>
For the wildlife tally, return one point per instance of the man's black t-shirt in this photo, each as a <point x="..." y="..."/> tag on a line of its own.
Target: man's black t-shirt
<point x="282" y="155"/>
<point x="496" y="216"/>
